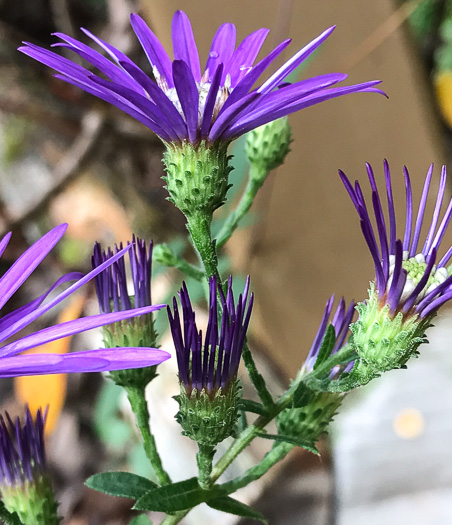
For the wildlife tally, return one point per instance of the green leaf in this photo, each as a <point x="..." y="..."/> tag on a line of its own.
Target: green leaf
<point x="302" y="396"/>
<point x="252" y="406"/>
<point x="293" y="441"/>
<point x="120" y="484"/>
<point x="178" y="496"/>
<point x="142" y="519"/>
<point x="326" y="347"/>
<point x="232" y="506"/>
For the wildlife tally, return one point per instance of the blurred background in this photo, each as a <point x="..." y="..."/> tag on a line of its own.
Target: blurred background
<point x="66" y="157"/>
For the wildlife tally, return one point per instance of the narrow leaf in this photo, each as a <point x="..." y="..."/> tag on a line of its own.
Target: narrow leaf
<point x="302" y="396"/>
<point x="232" y="506"/>
<point x="326" y="347"/>
<point x="120" y="484"/>
<point x="178" y="496"/>
<point x="252" y="406"/>
<point x="293" y="441"/>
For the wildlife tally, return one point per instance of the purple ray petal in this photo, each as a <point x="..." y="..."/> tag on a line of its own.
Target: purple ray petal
<point x="142" y="103"/>
<point x="210" y="102"/>
<point x="294" y="62"/>
<point x="391" y="209"/>
<point x="184" y="45"/>
<point x="4" y="242"/>
<point x="261" y="116"/>
<point x="86" y="361"/>
<point x="435" y="217"/>
<point x="187" y="92"/>
<point x="420" y="213"/>
<point x="409" y="210"/>
<point x="440" y="289"/>
<point x="398" y="278"/>
<point x="72" y="327"/>
<point x="153" y="48"/>
<point x="32" y="316"/>
<point x="244" y="56"/>
<point x="27" y="262"/>
<point x="222" y="47"/>
<point x="24" y="310"/>
<point x="104" y="65"/>
<point x="247" y="82"/>
<point x="434" y="305"/>
<point x="159" y="98"/>
<point x="124" y="105"/>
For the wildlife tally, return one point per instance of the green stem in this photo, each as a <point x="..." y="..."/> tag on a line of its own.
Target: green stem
<point x="7" y="518"/>
<point x="175" y="518"/>
<point x="255" y="181"/>
<point x="204" y="459"/>
<point x="165" y="256"/>
<point x="199" y="228"/>
<point x="275" y="455"/>
<point x="139" y="406"/>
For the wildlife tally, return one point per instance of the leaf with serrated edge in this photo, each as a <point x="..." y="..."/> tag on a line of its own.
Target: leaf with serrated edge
<point x="178" y="496"/>
<point x="120" y="484"/>
<point x="232" y="506"/>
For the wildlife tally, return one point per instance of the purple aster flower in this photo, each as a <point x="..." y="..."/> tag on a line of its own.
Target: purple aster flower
<point x="12" y="364"/>
<point x="24" y="482"/>
<point x="340" y="322"/>
<point x="409" y="278"/>
<point x="213" y="363"/>
<point x="181" y="103"/>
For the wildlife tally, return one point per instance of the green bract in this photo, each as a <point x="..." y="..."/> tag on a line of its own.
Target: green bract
<point x="197" y="178"/>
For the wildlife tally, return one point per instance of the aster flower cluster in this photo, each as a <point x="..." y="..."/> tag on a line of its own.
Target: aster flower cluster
<point x="410" y="285"/>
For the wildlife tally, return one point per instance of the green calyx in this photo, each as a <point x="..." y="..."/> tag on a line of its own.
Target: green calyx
<point x="197" y="177"/>
<point x="311" y="421"/>
<point x="33" y="501"/>
<point x="208" y="419"/>
<point x="384" y="342"/>
<point x="135" y="332"/>
<point x="268" y="145"/>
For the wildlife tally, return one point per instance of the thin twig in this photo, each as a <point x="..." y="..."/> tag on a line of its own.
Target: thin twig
<point x="379" y="36"/>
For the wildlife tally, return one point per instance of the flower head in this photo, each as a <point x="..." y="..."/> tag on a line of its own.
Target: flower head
<point x="410" y="284"/>
<point x="12" y="364"/>
<point x="182" y="103"/>
<point x="409" y="278"/>
<point x="24" y="483"/>
<point x="208" y="366"/>
<point x="113" y="295"/>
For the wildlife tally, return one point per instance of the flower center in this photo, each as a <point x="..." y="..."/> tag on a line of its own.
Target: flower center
<point x="415" y="267"/>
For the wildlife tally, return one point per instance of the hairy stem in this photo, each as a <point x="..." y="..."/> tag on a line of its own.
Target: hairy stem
<point x="139" y="406"/>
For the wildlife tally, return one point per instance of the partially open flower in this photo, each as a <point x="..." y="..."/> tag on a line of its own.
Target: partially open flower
<point x="114" y="296"/>
<point x="208" y="365"/>
<point x="411" y="284"/>
<point x="24" y="482"/>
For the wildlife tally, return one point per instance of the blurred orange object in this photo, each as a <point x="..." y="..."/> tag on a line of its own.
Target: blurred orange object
<point x="40" y="391"/>
<point x="443" y="88"/>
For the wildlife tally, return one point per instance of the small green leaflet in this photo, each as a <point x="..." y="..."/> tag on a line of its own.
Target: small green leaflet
<point x="120" y="484"/>
<point x="302" y="396"/>
<point x="252" y="406"/>
<point x="178" y="496"/>
<point x="232" y="506"/>
<point x="326" y="347"/>
<point x="292" y="441"/>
